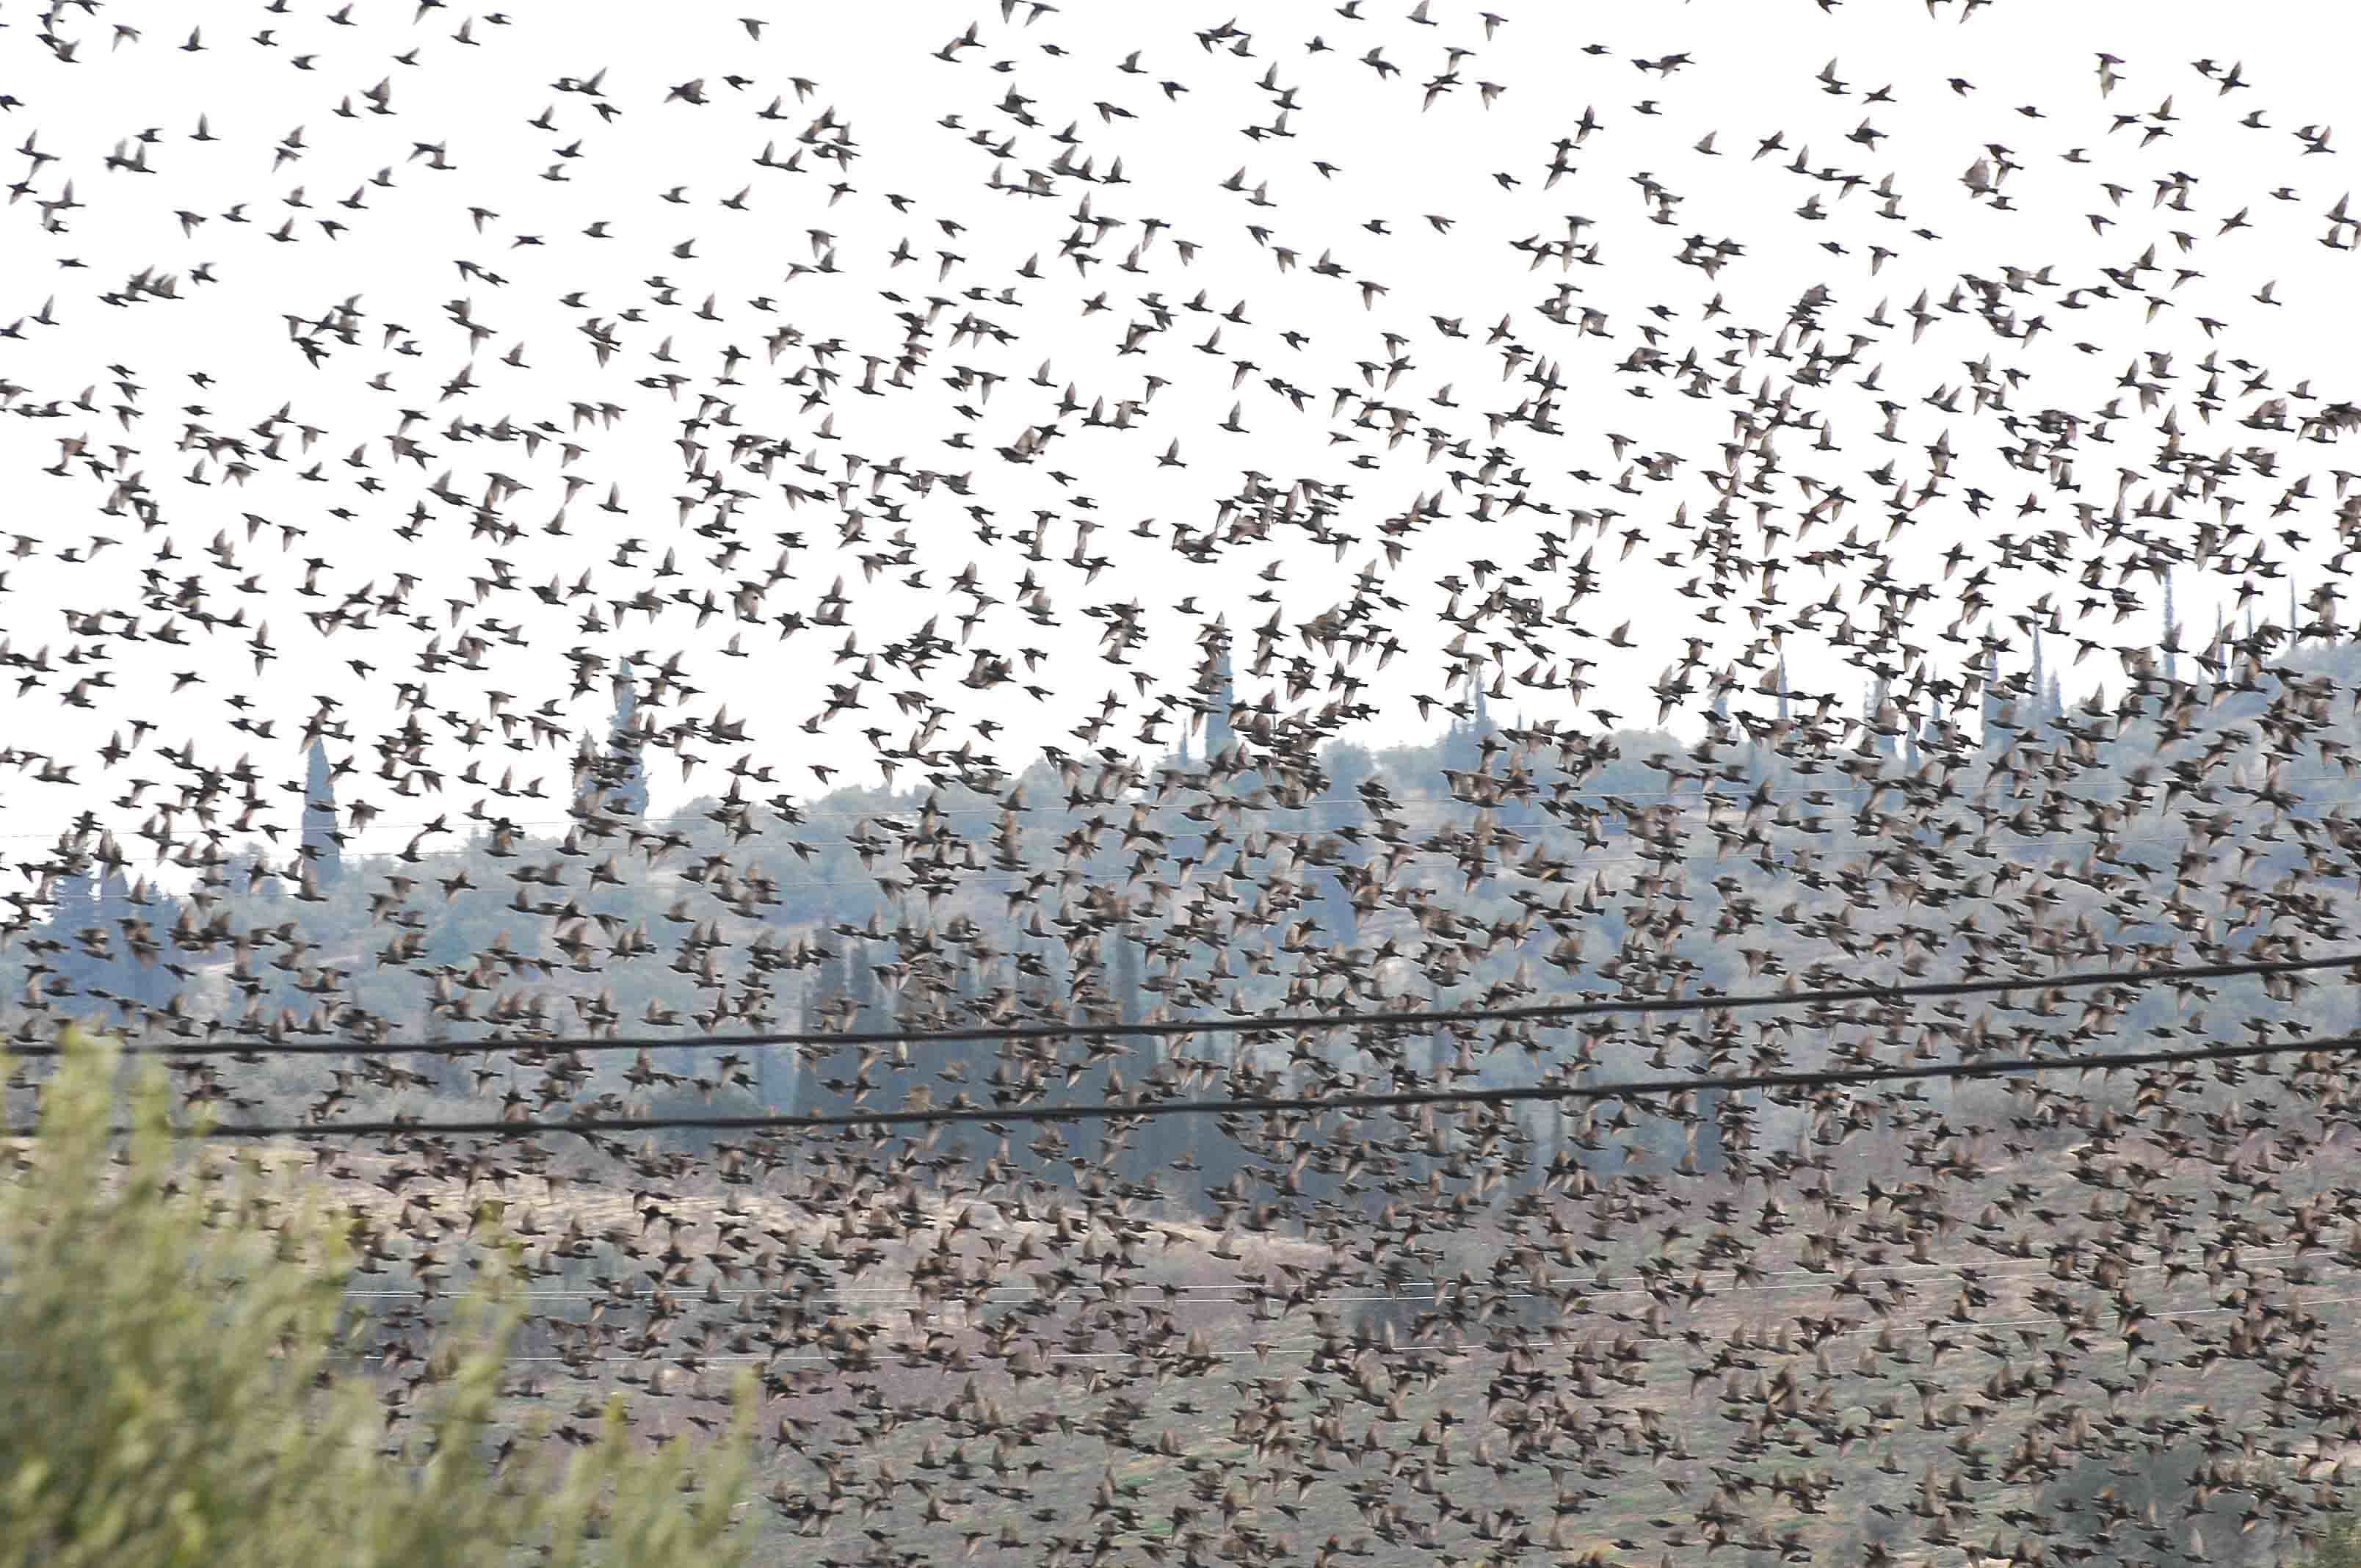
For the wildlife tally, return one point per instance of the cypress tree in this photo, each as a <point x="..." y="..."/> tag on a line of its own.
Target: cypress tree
<point x="1126" y="986"/>
<point x="2171" y="633"/>
<point x="320" y="838"/>
<point x="148" y="982"/>
<point x="76" y="906"/>
<point x="862" y="986"/>
<point x="76" y="910"/>
<point x="113" y="908"/>
<point x="1994" y="731"/>
<point x="627" y="786"/>
<point x="813" y="1098"/>
<point x="1217" y="722"/>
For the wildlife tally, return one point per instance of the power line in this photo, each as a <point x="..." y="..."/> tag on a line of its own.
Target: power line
<point x="1314" y="1104"/>
<point x="1537" y="1012"/>
<point x="968" y="875"/>
<point x="1409" y="1292"/>
<point x="1302" y="1343"/>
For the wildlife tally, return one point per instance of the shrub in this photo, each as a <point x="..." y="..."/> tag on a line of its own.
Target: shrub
<point x="178" y="1384"/>
<point x="2340" y="1546"/>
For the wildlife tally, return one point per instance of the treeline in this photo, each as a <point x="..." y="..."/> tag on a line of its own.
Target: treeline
<point x="944" y="906"/>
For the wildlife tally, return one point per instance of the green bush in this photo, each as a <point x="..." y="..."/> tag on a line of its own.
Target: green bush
<point x="2340" y="1546"/>
<point x="179" y="1384"/>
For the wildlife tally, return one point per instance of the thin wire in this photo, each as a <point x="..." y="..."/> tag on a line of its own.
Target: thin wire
<point x="1412" y="1292"/>
<point x="1299" y="1343"/>
<point x="1314" y="1104"/>
<point x="967" y="874"/>
<point x="1537" y="1012"/>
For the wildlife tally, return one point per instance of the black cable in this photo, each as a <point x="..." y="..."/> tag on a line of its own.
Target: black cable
<point x="1539" y="1012"/>
<point x="1631" y="1090"/>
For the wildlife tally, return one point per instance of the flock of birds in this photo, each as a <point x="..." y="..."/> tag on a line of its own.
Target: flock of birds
<point x="1889" y="1326"/>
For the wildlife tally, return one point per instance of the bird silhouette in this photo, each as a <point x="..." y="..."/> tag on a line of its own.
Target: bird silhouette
<point x="1017" y="742"/>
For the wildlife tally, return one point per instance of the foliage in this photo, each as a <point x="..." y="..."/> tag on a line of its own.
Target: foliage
<point x="322" y="844"/>
<point x="2340" y="1546"/>
<point x="177" y="1385"/>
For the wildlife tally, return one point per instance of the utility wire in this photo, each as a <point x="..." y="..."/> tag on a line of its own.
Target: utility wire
<point x="594" y="1126"/>
<point x="1539" y="1012"/>
<point x="1310" y="1344"/>
<point x="967" y="875"/>
<point x="1412" y="1292"/>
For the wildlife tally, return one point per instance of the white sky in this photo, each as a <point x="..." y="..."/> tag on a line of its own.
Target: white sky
<point x="1753" y="73"/>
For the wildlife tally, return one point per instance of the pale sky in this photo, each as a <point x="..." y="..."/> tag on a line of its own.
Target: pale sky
<point x="283" y="154"/>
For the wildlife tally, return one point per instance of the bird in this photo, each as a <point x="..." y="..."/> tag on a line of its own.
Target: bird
<point x="803" y="710"/>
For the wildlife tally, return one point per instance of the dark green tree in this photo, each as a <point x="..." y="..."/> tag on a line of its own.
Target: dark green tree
<point x="2339" y="1547"/>
<point x="75" y="911"/>
<point x="1995" y="703"/>
<point x="1217" y="720"/>
<point x="862" y="986"/>
<point x="77" y="905"/>
<point x="2040" y="684"/>
<point x="321" y="842"/>
<point x="823" y="1085"/>
<point x="626" y="782"/>
<point x="123" y="973"/>
<point x="1125" y="980"/>
<point x="181" y="1386"/>
<point x="2171" y="638"/>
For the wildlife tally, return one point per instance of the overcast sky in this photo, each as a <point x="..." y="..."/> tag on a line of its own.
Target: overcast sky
<point x="744" y="230"/>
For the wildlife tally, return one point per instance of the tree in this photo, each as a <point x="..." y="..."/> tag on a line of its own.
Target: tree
<point x="1217" y="721"/>
<point x="626" y="781"/>
<point x="2160" y="1481"/>
<point x="321" y="841"/>
<point x="2040" y="687"/>
<point x="2340" y="1546"/>
<point x="1348" y="767"/>
<point x="1124" y="983"/>
<point x="1995" y="703"/>
<point x="863" y="989"/>
<point x="110" y="961"/>
<point x="2171" y="638"/>
<point x="77" y="904"/>
<point x="824" y="1084"/>
<point x="178" y="1389"/>
<point x="75" y="911"/>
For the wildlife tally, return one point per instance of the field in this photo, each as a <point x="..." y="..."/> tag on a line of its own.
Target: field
<point x="2080" y="1340"/>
